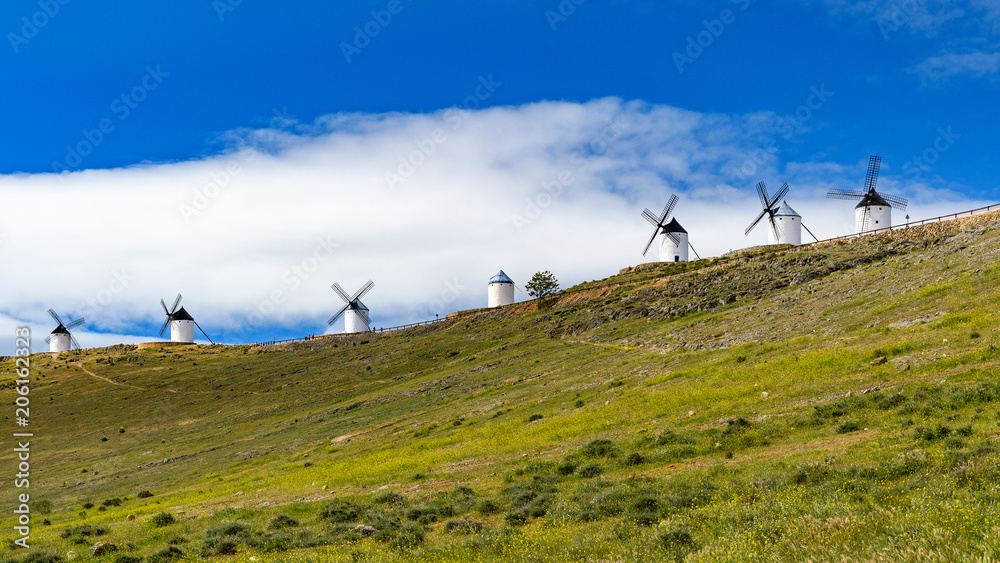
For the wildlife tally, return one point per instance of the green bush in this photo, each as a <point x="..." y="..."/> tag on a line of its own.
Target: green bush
<point x="590" y="470"/>
<point x="848" y="426"/>
<point x="602" y="447"/>
<point x="40" y="557"/>
<point x="282" y="521"/>
<point x="145" y="494"/>
<point x="634" y="459"/>
<point x="128" y="559"/>
<point x="488" y="506"/>
<point x="163" y="519"/>
<point x="535" y="417"/>
<point x="340" y="511"/>
<point x="166" y="554"/>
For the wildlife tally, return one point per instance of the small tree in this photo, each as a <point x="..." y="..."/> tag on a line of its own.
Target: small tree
<point x="542" y="284"/>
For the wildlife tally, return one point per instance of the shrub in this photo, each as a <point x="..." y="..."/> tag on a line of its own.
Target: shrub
<point x="42" y="506"/>
<point x="163" y="519"/>
<point x="578" y="404"/>
<point x="488" y="506"/>
<point x="88" y="505"/>
<point x="735" y="426"/>
<point x="516" y="519"/>
<point x="167" y="554"/>
<point x="145" y="494"/>
<point x="590" y="470"/>
<point x="848" y="426"/>
<point x="112" y="502"/>
<point x="670" y="437"/>
<point x="128" y="559"/>
<point x="634" y="459"/>
<point x="340" y="511"/>
<point x="40" y="557"/>
<point x="85" y="530"/>
<point x="602" y="447"/>
<point x="535" y="417"/>
<point x="283" y="521"/>
<point x="463" y="526"/>
<point x="566" y="468"/>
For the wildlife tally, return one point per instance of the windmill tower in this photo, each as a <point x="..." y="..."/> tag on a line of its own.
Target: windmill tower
<point x="784" y="224"/>
<point x="674" y="242"/>
<point x="181" y="323"/>
<point x="501" y="290"/>
<point x="874" y="211"/>
<point x="356" y="315"/>
<point x="61" y="340"/>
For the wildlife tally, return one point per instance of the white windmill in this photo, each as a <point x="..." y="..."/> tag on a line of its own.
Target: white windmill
<point x="500" y="290"/>
<point x="61" y="340"/>
<point x="674" y="242"/>
<point x="356" y="315"/>
<point x="874" y="211"/>
<point x="181" y="323"/>
<point x="785" y="225"/>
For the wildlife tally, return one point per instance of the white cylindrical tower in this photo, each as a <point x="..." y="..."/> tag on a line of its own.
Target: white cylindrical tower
<point x="353" y="322"/>
<point x="872" y="215"/>
<point x="671" y="251"/>
<point x="182" y="327"/>
<point x="500" y="291"/>
<point x="59" y="340"/>
<point x="786" y="228"/>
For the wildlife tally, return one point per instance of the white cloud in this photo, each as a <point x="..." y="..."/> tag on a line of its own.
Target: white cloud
<point x="267" y="227"/>
<point x="946" y="66"/>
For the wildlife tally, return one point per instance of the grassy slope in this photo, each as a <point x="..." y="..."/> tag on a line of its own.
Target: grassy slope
<point x="664" y="360"/>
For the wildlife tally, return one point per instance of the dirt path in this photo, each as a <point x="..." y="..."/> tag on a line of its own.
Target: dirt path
<point x="102" y="378"/>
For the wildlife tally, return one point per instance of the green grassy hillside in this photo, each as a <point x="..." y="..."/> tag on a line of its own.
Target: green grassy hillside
<point x="831" y="402"/>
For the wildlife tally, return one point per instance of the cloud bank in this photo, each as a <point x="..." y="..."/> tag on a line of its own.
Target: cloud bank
<point x="429" y="206"/>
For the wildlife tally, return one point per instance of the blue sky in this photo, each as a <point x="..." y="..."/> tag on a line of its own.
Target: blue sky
<point x="800" y="92"/>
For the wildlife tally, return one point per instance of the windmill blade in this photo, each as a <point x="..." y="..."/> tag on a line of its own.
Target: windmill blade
<point x="364" y="316"/>
<point x="764" y="212"/>
<point x="864" y="220"/>
<point x="74" y="324"/>
<point x="872" y="177"/>
<point x="656" y="231"/>
<point x="55" y="316"/>
<point x="778" y="196"/>
<point x="669" y="208"/>
<point x="364" y="290"/>
<point x="74" y="342"/>
<point x="895" y="201"/>
<point x="340" y="291"/>
<point x="810" y="232"/>
<point x="202" y="331"/>
<point x="774" y="227"/>
<point x="176" y="303"/>
<point x="674" y="237"/>
<point x="837" y="193"/>
<point x="648" y="215"/>
<point x="695" y="251"/>
<point x="334" y="318"/>
<point x="762" y="194"/>
<point x="164" y="327"/>
<point x="164" y="305"/>
<point x="48" y="338"/>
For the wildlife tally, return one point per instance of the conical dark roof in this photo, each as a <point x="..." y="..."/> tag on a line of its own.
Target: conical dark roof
<point x="501" y="277"/>
<point x="872" y="199"/>
<point x="358" y="305"/>
<point x="673" y="227"/>
<point x="181" y="315"/>
<point x="60" y="330"/>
